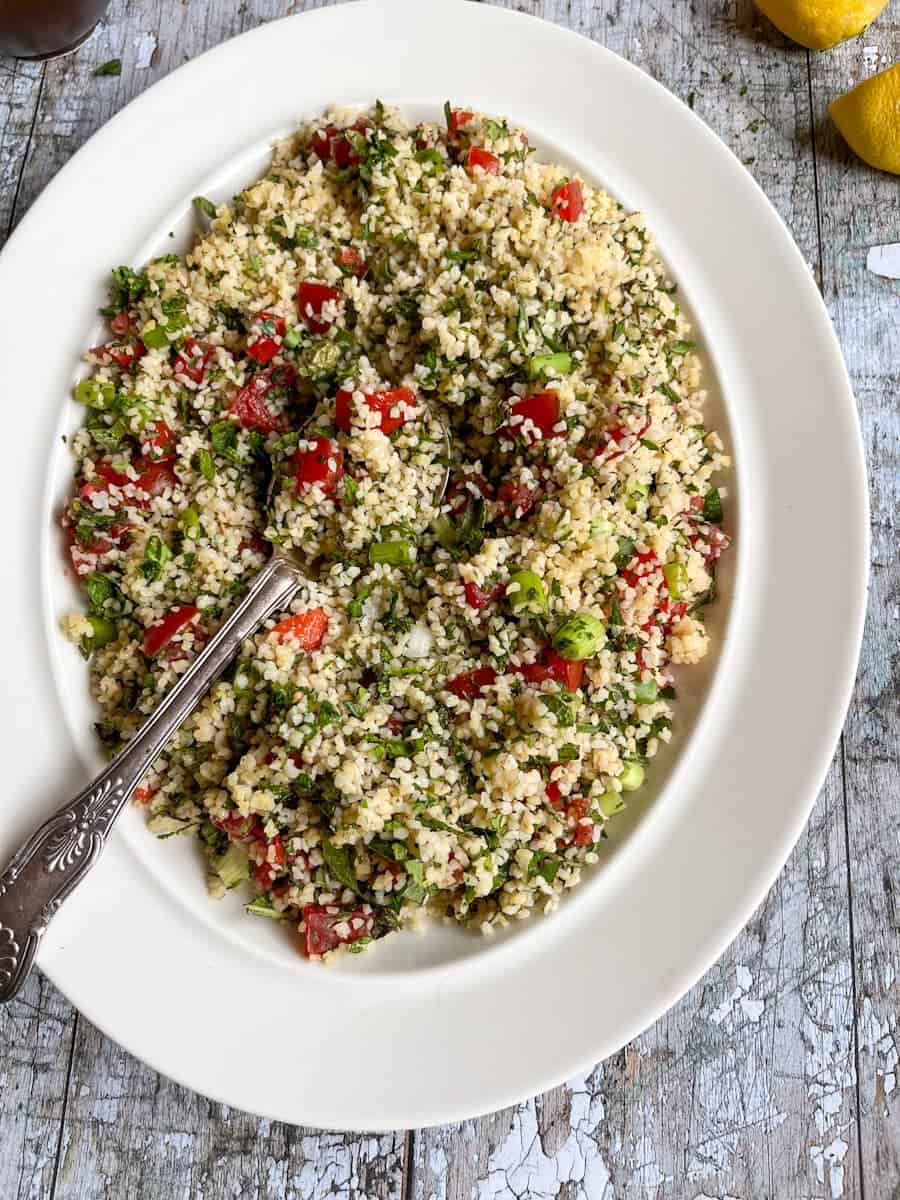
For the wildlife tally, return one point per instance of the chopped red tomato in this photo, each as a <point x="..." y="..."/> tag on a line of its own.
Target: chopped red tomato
<point x="333" y="145"/>
<point x="535" y="418"/>
<point x="238" y="828"/>
<point x="328" y="925"/>
<point x="109" y="474"/>
<point x="515" y="500"/>
<point x="552" y="789"/>
<point x="268" y="332"/>
<point x="121" y="323"/>
<point x="308" y="628"/>
<point x="249" y="405"/>
<point x="160" y="634"/>
<point x="478" y="598"/>
<point x="567" y="202"/>
<point x="143" y="796"/>
<point x="351" y="262"/>
<point x="577" y="810"/>
<point x="268" y="859"/>
<point x="123" y="354"/>
<point x="162" y="442"/>
<point x="391" y="404"/>
<point x="192" y="358"/>
<point x="320" y="462"/>
<point x="311" y="299"/>
<point x="489" y="163"/>
<point x="643" y="565"/>
<point x="568" y="672"/>
<point x="465" y="490"/>
<point x="620" y="440"/>
<point x="156" y="478"/>
<point x="470" y="683"/>
<point x="458" y="117"/>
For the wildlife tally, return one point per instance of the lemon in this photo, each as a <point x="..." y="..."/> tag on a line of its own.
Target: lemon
<point x="820" y="24"/>
<point x="869" y="118"/>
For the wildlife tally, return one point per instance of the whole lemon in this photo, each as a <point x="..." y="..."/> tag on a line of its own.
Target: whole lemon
<point x="869" y="118"/>
<point x="820" y="24"/>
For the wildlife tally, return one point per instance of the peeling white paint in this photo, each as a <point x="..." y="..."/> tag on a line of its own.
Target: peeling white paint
<point x="144" y="49"/>
<point x="519" y="1167"/>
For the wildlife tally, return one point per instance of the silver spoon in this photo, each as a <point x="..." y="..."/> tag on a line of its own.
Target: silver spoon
<point x="61" y="851"/>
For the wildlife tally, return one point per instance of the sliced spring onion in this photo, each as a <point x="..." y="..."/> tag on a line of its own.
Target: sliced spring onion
<point x="610" y="803"/>
<point x="103" y="632"/>
<point x="676" y="579"/>
<point x="526" y="593"/>
<point x="646" y="691"/>
<point x="639" y="491"/>
<point x="155" y="337"/>
<point x="580" y="637"/>
<point x="189" y="522"/>
<point x="632" y="777"/>
<point x="396" y="554"/>
<point x="541" y="366"/>
<point x="94" y="394"/>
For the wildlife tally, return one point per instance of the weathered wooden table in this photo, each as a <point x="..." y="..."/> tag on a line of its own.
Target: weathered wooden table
<point x="777" y="1075"/>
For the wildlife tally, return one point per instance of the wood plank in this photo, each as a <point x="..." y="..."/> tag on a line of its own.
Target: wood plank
<point x="36" y="1033"/>
<point x="860" y="209"/>
<point x="130" y="1132"/>
<point x="747" y="1088"/>
<point x="20" y="86"/>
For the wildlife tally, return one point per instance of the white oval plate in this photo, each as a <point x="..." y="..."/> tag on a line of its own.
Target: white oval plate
<point x="446" y="1026"/>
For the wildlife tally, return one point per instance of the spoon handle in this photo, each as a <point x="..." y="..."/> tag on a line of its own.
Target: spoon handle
<point x="60" y="852"/>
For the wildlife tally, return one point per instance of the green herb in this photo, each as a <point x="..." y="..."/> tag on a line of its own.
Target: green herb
<point x="263" y="908"/>
<point x="156" y="554"/>
<point x="189" y="522"/>
<point x="469" y="255"/>
<point x="618" y="331"/>
<point x="712" y="506"/>
<point x="328" y="714"/>
<point x="669" y="393"/>
<point x="544" y="864"/>
<point x="567" y="753"/>
<point x="560" y="709"/>
<point x="206" y="466"/>
<point x="580" y="637"/>
<point x="127" y="288"/>
<point x="625" y="554"/>
<point x="204" y="207"/>
<point x="432" y="156"/>
<point x="113" y="67"/>
<point x="351" y="487"/>
<point x="337" y="860"/>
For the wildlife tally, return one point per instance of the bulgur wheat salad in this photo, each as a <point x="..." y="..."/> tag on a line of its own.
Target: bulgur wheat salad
<point x="462" y="697"/>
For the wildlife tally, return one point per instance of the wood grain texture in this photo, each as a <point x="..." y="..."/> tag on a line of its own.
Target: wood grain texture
<point x="748" y="1088"/>
<point x="861" y="208"/>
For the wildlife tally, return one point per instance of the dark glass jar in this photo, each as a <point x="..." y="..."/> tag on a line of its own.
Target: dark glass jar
<point x="46" y="28"/>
